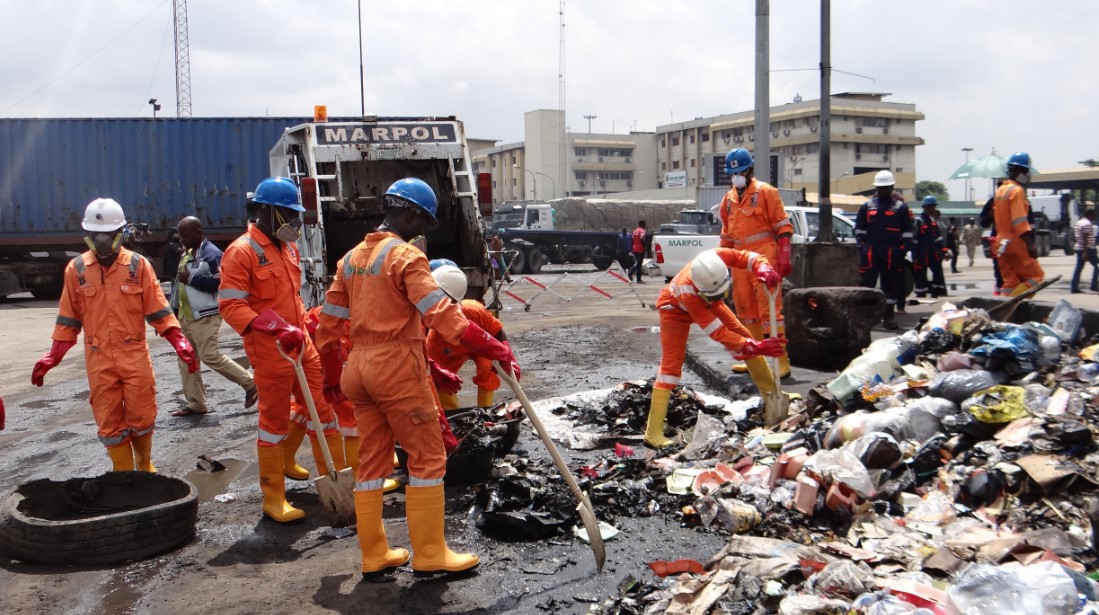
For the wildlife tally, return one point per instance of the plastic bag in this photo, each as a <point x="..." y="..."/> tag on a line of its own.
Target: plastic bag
<point x="1016" y="349"/>
<point x="843" y="579"/>
<point x="1035" y="396"/>
<point x="998" y="404"/>
<point x="841" y="466"/>
<point x="881" y="360"/>
<point x="706" y="439"/>
<point x="910" y="422"/>
<point x="959" y="385"/>
<point x="1065" y="321"/>
<point x="1040" y="588"/>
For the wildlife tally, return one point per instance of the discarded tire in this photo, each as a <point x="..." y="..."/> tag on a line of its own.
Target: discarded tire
<point x="110" y="519"/>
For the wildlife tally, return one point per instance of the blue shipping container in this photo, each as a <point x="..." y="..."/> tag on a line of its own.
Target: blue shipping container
<point x="160" y="170"/>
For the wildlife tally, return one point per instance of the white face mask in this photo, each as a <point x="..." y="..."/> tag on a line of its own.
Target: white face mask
<point x="1023" y="178"/>
<point x="739" y="181"/>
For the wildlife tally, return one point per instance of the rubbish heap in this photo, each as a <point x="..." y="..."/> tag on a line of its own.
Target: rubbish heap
<point x="948" y="470"/>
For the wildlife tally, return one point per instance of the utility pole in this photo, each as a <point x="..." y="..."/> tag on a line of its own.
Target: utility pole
<point x="183" y="59"/>
<point x="824" y="232"/>
<point x="763" y="95"/>
<point x="968" y="195"/>
<point x="589" y="118"/>
<point x="562" y="150"/>
<point x="362" y="82"/>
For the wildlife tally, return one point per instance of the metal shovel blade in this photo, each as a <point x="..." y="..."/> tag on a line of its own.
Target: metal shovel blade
<point x="587" y="513"/>
<point x="336" y="490"/>
<point x="776" y="405"/>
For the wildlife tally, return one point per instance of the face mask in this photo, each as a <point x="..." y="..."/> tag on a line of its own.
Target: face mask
<point x="420" y="243"/>
<point x="104" y="244"/>
<point x="739" y="181"/>
<point x="288" y="231"/>
<point x="1023" y="178"/>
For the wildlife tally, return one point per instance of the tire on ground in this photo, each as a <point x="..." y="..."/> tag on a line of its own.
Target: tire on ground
<point x="518" y="263"/>
<point x="602" y="258"/>
<point x="51" y="522"/>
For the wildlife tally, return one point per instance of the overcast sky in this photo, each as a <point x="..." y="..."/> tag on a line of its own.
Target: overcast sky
<point x="1004" y="74"/>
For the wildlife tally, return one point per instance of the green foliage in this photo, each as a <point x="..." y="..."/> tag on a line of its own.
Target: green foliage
<point x="935" y="189"/>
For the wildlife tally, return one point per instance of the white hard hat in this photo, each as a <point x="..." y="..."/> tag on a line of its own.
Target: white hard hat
<point x="452" y="280"/>
<point x="884" y="178"/>
<point x="710" y="274"/>
<point x="104" y="216"/>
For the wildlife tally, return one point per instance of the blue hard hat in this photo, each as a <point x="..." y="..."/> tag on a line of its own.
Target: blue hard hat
<point x="1021" y="159"/>
<point x="738" y="161"/>
<point x="279" y="192"/>
<point x="930" y="200"/>
<point x="439" y="262"/>
<point x="416" y="192"/>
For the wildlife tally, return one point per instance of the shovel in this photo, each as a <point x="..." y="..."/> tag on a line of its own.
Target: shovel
<point x="587" y="514"/>
<point x="1004" y="311"/>
<point x="336" y="489"/>
<point x="776" y="406"/>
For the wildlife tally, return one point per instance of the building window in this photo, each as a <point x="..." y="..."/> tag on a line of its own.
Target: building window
<point x="494" y="183"/>
<point x="513" y="161"/>
<point x="675" y="164"/>
<point x="692" y="163"/>
<point x="580" y="175"/>
<point x="737" y="132"/>
<point x="675" y="140"/>
<point x="663" y="166"/>
<point x="514" y="182"/>
<point x="797" y="171"/>
<point x="705" y="137"/>
<point x="661" y="141"/>
<point x="812" y="148"/>
<point x="580" y="151"/>
<point x="494" y="163"/>
<point x="692" y="138"/>
<point x="900" y="170"/>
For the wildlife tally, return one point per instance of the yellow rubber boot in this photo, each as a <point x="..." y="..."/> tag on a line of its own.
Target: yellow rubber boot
<point x="273" y="484"/>
<point x="784" y="360"/>
<point x="122" y="456"/>
<point x="378" y="558"/>
<point x="761" y="374"/>
<point x="485" y="397"/>
<point x="390" y="485"/>
<point x="658" y="411"/>
<point x="756" y="329"/>
<point x="448" y="401"/>
<point x="351" y="453"/>
<point x="290" y="447"/>
<point x="335" y="446"/>
<point x="425" y="507"/>
<point x="143" y="452"/>
<point x="1020" y="289"/>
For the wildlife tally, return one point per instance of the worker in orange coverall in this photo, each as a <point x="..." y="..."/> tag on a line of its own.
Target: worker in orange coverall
<point x="451" y="357"/>
<point x="753" y="218"/>
<point x="110" y="293"/>
<point x="1019" y="257"/>
<point x="385" y="288"/>
<point x="694" y="296"/>
<point x="258" y="297"/>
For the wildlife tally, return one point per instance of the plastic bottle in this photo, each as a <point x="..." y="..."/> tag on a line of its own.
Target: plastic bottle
<point x="1089" y="373"/>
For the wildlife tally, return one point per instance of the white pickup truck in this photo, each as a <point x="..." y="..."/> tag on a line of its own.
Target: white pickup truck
<point x="672" y="252"/>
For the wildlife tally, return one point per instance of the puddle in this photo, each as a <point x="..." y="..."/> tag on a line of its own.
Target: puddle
<point x="212" y="484"/>
<point x="644" y="330"/>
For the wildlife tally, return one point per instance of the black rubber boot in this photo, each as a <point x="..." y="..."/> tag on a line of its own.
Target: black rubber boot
<point x="888" y="321"/>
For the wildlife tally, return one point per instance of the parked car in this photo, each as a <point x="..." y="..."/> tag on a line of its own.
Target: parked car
<point x="672" y="252"/>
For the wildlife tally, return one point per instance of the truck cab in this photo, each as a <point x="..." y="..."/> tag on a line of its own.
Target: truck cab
<point x="343" y="170"/>
<point x="523" y="216"/>
<point x="692" y="222"/>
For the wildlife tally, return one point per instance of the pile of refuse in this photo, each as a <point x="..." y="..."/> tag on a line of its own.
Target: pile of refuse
<point x="948" y="470"/>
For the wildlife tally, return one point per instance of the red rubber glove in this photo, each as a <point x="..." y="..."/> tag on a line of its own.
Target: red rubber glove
<point x="784" y="267"/>
<point x="450" y="441"/>
<point x="767" y="275"/>
<point x="770" y="347"/>
<point x="269" y="322"/>
<point x="444" y="379"/>
<point x="49" y="361"/>
<point x="477" y="341"/>
<point x="513" y="365"/>
<point x="2" y="414"/>
<point x="332" y="367"/>
<point x="183" y="348"/>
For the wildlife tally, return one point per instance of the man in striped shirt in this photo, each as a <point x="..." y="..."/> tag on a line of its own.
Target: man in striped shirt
<point x="1085" y="251"/>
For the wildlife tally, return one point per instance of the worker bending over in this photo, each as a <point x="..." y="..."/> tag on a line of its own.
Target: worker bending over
<point x="110" y="293"/>
<point x="451" y="357"/>
<point x="695" y="296"/>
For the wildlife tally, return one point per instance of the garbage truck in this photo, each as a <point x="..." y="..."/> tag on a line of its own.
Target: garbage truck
<point x="343" y="170"/>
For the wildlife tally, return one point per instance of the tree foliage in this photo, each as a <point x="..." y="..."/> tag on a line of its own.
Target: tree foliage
<point x="935" y="189"/>
<point x="1090" y="162"/>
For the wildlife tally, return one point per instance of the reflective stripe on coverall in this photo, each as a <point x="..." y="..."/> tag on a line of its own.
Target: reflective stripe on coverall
<point x="679" y="305"/>
<point x="112" y="306"/>
<point x="256" y="276"/>
<point x="345" y="410"/>
<point x="883" y="233"/>
<point x="1009" y="212"/>
<point x="384" y="287"/>
<point x="930" y="251"/>
<point x="754" y="222"/>
<point x="453" y="356"/>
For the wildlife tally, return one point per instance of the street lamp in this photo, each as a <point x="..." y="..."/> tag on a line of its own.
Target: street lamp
<point x="156" y="106"/>
<point x="553" y="184"/>
<point x="968" y="195"/>
<point x="533" y="180"/>
<point x="841" y="176"/>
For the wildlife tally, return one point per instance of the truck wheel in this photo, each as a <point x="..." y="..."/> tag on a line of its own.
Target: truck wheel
<point x="601" y="259"/>
<point x="518" y="263"/>
<point x="535" y="260"/>
<point x="1070" y="242"/>
<point x="46" y="293"/>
